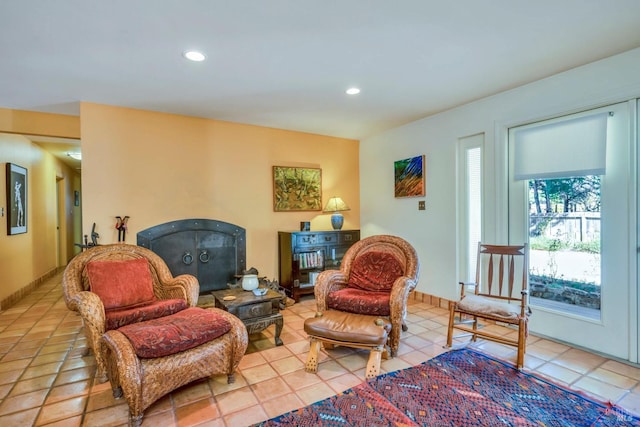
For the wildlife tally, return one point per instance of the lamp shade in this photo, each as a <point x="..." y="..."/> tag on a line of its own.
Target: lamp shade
<point x="336" y="204"/>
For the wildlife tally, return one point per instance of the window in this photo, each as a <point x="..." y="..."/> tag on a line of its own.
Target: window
<point x="562" y="162"/>
<point x="470" y="203"/>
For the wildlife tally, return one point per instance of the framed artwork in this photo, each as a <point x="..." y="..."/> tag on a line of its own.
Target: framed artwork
<point x="410" y="177"/>
<point x="297" y="189"/>
<point x="16" y="199"/>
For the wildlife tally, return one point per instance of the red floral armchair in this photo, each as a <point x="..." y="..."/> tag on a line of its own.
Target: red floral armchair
<point x="375" y="278"/>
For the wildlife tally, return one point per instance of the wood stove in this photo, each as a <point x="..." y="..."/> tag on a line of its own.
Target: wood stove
<point x="213" y="251"/>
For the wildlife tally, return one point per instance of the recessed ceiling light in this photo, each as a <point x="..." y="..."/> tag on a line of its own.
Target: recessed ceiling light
<point x="194" y="55"/>
<point x="352" y="91"/>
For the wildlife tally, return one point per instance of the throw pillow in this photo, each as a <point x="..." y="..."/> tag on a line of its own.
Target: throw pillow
<point x="375" y="271"/>
<point x="121" y="283"/>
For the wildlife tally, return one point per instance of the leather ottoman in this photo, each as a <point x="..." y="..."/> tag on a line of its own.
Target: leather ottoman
<point x="333" y="327"/>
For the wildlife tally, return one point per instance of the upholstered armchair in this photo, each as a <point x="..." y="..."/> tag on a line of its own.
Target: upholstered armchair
<point x="375" y="278"/>
<point x="93" y="284"/>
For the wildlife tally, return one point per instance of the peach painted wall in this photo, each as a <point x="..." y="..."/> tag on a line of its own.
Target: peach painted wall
<point x="32" y="123"/>
<point x="27" y="257"/>
<point x="158" y="167"/>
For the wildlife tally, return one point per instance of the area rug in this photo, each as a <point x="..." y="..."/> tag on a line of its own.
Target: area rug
<point x="457" y="388"/>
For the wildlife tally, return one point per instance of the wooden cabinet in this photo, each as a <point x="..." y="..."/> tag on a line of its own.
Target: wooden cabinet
<point x="302" y="255"/>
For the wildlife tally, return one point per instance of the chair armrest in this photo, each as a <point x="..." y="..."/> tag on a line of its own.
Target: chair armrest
<point x="72" y="284"/>
<point x="184" y="286"/>
<point x="328" y="281"/>
<point x="400" y="294"/>
<point x="463" y="285"/>
<point x="91" y="309"/>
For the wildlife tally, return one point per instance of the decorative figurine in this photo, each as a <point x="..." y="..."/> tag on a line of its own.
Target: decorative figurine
<point x="121" y="226"/>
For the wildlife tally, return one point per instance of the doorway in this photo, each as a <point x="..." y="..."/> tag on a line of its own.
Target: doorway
<point x="577" y="219"/>
<point x="61" y="247"/>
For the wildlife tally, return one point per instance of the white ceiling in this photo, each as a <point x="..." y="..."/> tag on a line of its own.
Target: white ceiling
<point x="286" y="63"/>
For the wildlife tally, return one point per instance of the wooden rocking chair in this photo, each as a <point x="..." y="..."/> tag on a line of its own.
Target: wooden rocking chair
<point x="500" y="295"/>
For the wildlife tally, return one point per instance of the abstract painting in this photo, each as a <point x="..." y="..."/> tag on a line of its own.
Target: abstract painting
<point x="410" y="177"/>
<point x="297" y="189"/>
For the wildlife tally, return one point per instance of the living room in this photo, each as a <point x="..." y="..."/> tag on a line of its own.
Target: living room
<point x="156" y="167"/>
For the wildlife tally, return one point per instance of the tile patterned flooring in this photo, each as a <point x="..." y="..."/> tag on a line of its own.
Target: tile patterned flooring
<point x="45" y="379"/>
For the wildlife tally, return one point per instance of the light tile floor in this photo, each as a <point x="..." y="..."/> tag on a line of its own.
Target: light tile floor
<point x="45" y="380"/>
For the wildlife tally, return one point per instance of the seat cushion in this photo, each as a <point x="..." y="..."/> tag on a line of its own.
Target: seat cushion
<point x="115" y="319"/>
<point x="358" y="301"/>
<point x="375" y="271"/>
<point x="488" y="306"/>
<point x="182" y="331"/>
<point x="121" y="284"/>
<point x="349" y="327"/>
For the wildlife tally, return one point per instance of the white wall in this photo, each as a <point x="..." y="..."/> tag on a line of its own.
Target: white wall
<point x="434" y="232"/>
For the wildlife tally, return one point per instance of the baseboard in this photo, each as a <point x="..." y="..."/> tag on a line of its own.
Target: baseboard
<point x="429" y="299"/>
<point x="438" y="302"/>
<point x="12" y="299"/>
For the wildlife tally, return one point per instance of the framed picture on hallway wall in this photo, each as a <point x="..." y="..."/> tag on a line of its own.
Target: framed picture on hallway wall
<point x="16" y="199"/>
<point x="297" y="189"/>
<point x="410" y="177"/>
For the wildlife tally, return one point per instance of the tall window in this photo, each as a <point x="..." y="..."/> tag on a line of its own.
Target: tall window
<point x="470" y="202"/>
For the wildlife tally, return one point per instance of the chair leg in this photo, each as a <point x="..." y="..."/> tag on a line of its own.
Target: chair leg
<point x="522" y="343"/>
<point x="520" y="362"/>
<point x="475" y="328"/>
<point x="117" y="392"/>
<point x="393" y="341"/>
<point x="99" y="352"/>
<point x="136" y="420"/>
<point x="452" y="314"/>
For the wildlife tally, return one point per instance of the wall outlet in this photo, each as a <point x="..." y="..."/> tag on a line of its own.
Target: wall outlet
<point x="421" y="205"/>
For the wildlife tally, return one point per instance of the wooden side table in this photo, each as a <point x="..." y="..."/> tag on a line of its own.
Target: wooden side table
<point x="256" y="312"/>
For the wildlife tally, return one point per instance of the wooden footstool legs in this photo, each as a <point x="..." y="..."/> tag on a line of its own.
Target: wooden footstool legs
<point x="373" y="365"/>
<point x="349" y="330"/>
<point x="312" y="357"/>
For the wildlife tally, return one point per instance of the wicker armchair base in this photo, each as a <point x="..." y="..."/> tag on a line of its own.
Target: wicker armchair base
<point x="143" y="381"/>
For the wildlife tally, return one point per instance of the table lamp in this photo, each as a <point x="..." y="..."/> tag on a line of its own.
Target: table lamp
<point x="336" y="205"/>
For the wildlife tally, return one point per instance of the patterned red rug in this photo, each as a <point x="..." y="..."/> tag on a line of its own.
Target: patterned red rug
<point x="457" y="388"/>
